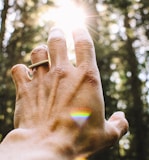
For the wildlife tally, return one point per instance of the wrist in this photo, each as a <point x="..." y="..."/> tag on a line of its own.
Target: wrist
<point x="30" y="144"/>
<point x="16" y="136"/>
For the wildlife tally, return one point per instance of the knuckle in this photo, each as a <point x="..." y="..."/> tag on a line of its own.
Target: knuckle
<point x="90" y="76"/>
<point x="20" y="73"/>
<point x="17" y="67"/>
<point x="121" y="121"/>
<point x="60" y="71"/>
<point x="56" y="40"/>
<point x="39" y="49"/>
<point x="39" y="53"/>
<point x="84" y="44"/>
<point x="124" y="127"/>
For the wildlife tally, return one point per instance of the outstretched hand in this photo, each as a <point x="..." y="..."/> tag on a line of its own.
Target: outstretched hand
<point x="63" y="104"/>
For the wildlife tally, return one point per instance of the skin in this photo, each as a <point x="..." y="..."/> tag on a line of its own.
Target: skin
<point x="45" y="128"/>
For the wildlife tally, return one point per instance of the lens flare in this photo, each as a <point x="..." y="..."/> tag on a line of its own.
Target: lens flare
<point x="80" y="158"/>
<point x="66" y="15"/>
<point x="80" y="115"/>
<point x="69" y="16"/>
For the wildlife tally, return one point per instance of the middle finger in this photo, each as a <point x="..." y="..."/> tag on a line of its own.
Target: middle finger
<point x="57" y="47"/>
<point x="84" y="48"/>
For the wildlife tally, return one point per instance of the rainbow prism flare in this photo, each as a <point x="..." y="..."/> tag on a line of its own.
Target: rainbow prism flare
<point x="80" y="115"/>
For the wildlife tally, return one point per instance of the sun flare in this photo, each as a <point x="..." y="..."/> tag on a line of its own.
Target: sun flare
<point x="69" y="17"/>
<point x="66" y="15"/>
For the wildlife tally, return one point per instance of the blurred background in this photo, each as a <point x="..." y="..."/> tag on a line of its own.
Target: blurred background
<point x="120" y="30"/>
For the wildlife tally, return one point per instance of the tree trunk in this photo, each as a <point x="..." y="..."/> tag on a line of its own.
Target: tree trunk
<point x="3" y="23"/>
<point x="137" y="104"/>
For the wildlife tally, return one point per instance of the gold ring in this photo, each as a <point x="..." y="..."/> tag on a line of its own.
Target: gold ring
<point x="38" y="63"/>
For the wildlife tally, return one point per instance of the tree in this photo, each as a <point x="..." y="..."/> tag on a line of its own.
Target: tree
<point x="3" y="23"/>
<point x="123" y="59"/>
<point x="121" y="35"/>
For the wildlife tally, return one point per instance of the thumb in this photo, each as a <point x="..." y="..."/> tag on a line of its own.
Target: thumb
<point x="118" y="122"/>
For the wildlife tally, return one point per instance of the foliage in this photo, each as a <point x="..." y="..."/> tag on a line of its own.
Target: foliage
<point x="121" y="35"/>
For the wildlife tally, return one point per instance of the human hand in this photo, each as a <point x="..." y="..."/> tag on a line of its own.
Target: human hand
<point x="64" y="102"/>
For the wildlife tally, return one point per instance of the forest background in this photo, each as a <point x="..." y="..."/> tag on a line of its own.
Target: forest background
<point x="120" y="30"/>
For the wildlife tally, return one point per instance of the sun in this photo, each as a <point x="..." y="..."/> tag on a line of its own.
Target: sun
<point x="66" y="15"/>
<point x="69" y="16"/>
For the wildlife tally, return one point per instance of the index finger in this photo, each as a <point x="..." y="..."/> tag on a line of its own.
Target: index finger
<point x="84" y="47"/>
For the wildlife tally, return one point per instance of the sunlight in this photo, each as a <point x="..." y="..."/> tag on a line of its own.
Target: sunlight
<point x="65" y="15"/>
<point x="68" y="16"/>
